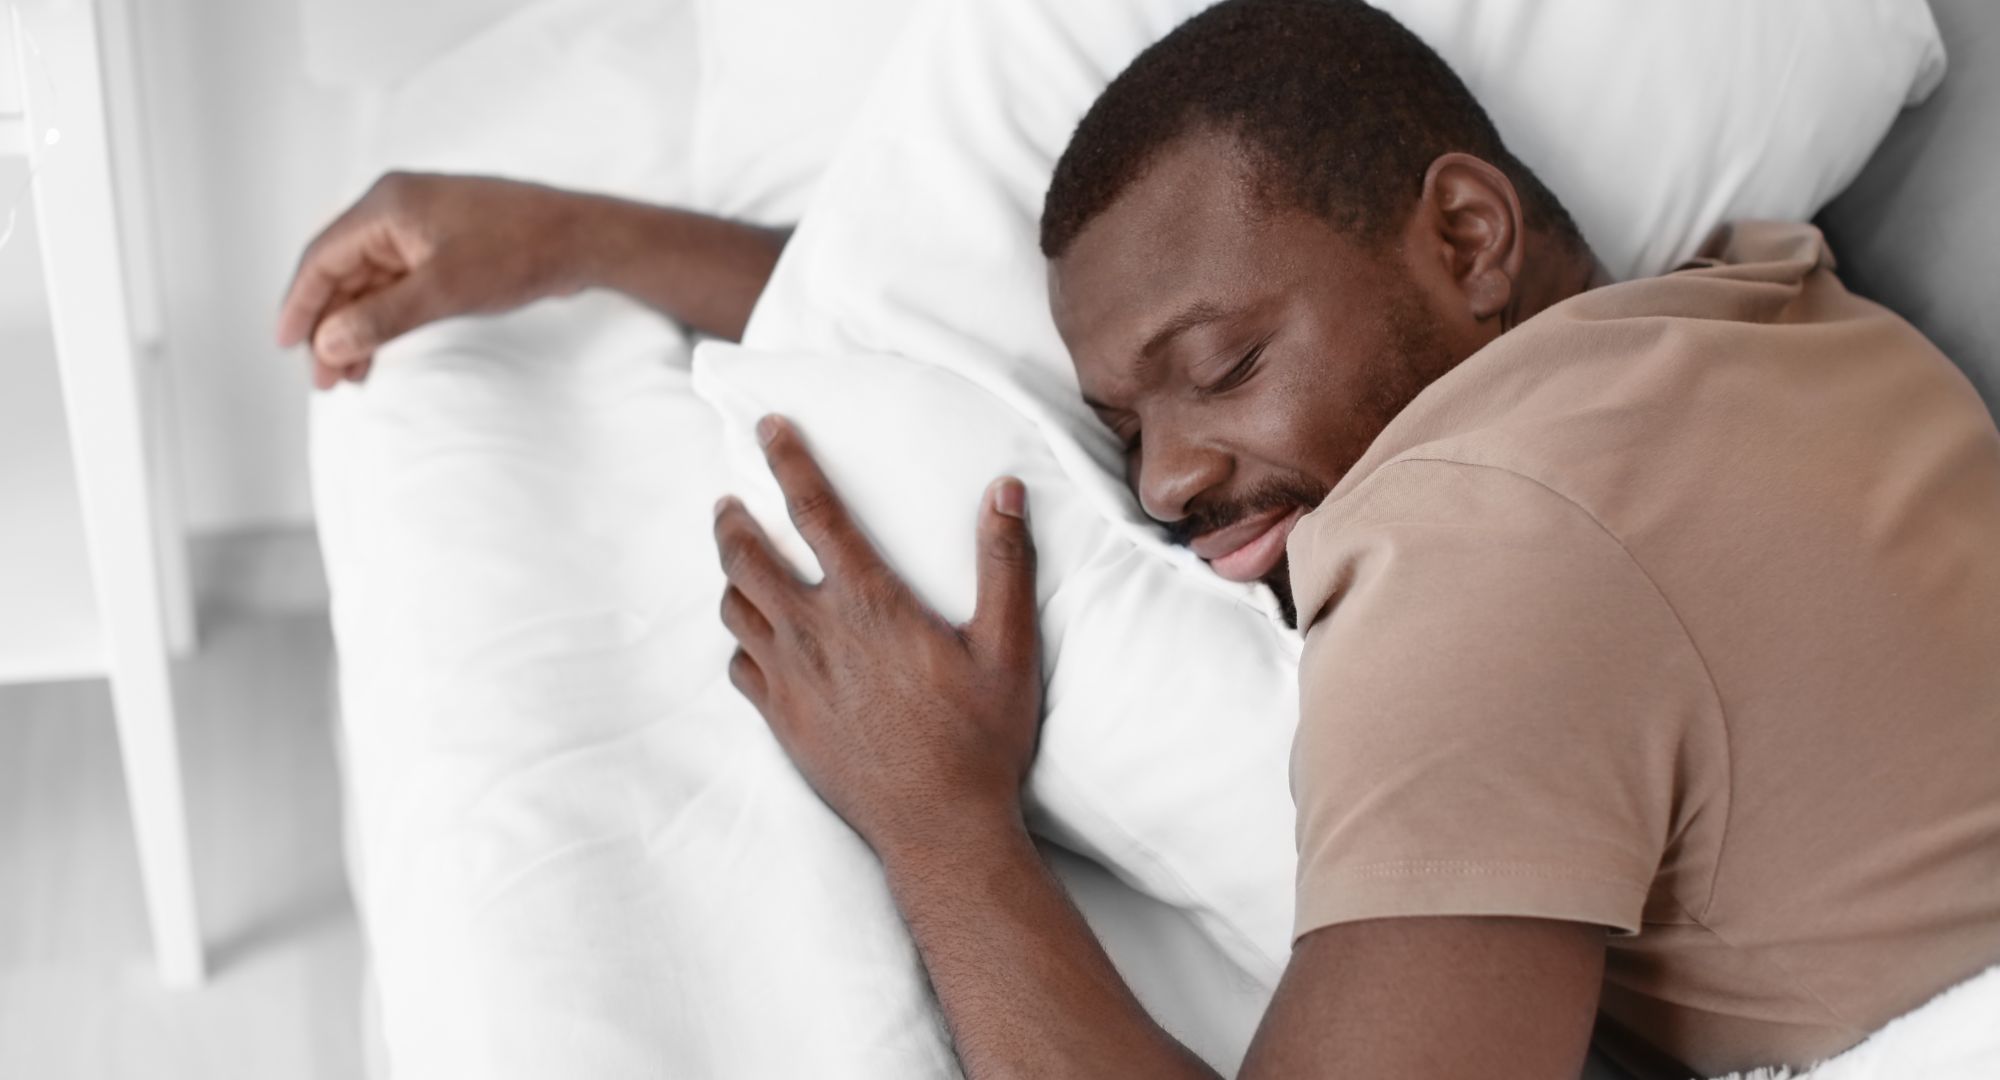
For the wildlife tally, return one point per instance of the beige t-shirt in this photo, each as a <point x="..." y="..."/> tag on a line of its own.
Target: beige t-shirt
<point x="1677" y="610"/>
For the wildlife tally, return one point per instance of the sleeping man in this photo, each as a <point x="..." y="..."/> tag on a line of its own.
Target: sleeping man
<point x="1651" y="678"/>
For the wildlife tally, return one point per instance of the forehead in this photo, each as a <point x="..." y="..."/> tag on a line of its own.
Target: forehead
<point x="1189" y="230"/>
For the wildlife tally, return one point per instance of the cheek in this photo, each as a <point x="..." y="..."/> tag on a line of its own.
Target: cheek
<point x="1296" y="423"/>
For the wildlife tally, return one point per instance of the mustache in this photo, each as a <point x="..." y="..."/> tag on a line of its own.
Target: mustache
<point x="1273" y="494"/>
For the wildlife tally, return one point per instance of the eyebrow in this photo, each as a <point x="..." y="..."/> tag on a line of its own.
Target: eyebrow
<point x="1198" y="313"/>
<point x="1189" y="317"/>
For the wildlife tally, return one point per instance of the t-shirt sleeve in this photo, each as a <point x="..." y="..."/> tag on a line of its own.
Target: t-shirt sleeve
<point x="1496" y="706"/>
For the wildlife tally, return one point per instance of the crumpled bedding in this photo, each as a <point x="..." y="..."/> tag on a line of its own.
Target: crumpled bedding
<point x="576" y="850"/>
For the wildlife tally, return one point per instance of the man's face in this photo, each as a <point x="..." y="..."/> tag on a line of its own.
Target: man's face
<point x="1246" y="354"/>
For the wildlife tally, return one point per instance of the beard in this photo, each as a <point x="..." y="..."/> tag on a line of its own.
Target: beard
<point x="1417" y="358"/>
<point x="1285" y="492"/>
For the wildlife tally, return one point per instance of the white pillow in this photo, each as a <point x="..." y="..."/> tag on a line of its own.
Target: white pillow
<point x="1170" y="703"/>
<point x="781" y="81"/>
<point x="1652" y="122"/>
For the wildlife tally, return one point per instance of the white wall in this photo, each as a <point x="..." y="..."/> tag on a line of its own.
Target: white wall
<point x="247" y="159"/>
<point x="22" y="303"/>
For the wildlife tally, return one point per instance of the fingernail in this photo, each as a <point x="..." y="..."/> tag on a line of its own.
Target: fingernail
<point x="723" y="504"/>
<point x="1010" y="497"/>
<point x="767" y="429"/>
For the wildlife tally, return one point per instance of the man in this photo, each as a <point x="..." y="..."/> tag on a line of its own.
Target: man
<point x="1650" y="627"/>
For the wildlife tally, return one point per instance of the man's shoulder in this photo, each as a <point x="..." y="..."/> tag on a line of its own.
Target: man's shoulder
<point x="1427" y="521"/>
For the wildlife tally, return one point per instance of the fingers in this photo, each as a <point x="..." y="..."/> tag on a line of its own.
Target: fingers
<point x="313" y="284"/>
<point x="1004" y="615"/>
<point x="349" y="335"/>
<point x="326" y="375"/>
<point x="335" y="261"/>
<point x="745" y="623"/>
<point x="816" y="509"/>
<point x="752" y="567"/>
<point x="748" y="678"/>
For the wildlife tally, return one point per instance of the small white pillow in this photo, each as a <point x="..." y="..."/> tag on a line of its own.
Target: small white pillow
<point x="1170" y="703"/>
<point x="1652" y="122"/>
<point x="781" y="82"/>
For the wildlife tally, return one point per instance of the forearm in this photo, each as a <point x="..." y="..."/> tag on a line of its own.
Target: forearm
<point x="1025" y="986"/>
<point x="704" y="272"/>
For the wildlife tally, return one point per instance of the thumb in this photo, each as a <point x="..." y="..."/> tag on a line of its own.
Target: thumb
<point x="350" y="334"/>
<point x="1004" y="616"/>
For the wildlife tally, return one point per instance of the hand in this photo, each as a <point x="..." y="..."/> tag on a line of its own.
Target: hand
<point x="902" y="722"/>
<point x="417" y="248"/>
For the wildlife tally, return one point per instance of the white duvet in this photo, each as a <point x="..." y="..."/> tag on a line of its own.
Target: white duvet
<point x="577" y="851"/>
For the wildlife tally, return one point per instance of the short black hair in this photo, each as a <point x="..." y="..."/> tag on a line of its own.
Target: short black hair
<point x="1343" y="108"/>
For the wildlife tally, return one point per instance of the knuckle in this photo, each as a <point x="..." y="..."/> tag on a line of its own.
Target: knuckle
<point x="815" y="506"/>
<point x="349" y="332"/>
<point x="875" y="598"/>
<point x="398" y="193"/>
<point x="1012" y="553"/>
<point x="1012" y="546"/>
<point x="389" y="187"/>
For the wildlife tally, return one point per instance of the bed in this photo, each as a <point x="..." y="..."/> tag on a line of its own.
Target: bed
<point x="575" y="850"/>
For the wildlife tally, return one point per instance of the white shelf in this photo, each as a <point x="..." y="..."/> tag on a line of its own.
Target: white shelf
<point x="49" y="625"/>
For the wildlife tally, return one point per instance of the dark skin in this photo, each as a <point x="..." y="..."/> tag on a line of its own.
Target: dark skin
<point x="920" y="734"/>
<point x="418" y="247"/>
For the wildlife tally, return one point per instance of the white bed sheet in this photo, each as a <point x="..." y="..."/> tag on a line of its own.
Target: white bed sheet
<point x="576" y="850"/>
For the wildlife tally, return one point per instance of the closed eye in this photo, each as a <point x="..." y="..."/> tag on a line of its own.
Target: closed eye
<point x="1236" y="375"/>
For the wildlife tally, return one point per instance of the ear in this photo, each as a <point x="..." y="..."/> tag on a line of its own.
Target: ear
<point x="1473" y="214"/>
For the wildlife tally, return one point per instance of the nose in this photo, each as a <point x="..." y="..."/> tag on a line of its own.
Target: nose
<point x="1173" y="469"/>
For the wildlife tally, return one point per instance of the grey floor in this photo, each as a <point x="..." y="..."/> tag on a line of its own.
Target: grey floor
<point x="78" y="1000"/>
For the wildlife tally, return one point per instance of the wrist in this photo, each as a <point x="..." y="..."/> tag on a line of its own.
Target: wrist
<point x="591" y="244"/>
<point x="608" y="242"/>
<point x="952" y="837"/>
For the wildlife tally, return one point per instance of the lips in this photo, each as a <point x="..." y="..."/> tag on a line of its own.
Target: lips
<point x="1248" y="549"/>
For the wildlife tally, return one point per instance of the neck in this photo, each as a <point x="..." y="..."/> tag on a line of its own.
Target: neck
<point x="1553" y="271"/>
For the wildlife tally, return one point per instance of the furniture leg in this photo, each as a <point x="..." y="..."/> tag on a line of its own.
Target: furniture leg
<point x="103" y="402"/>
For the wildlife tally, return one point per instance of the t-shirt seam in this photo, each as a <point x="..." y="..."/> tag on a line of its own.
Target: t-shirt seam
<point x="1707" y="673"/>
<point x="1715" y="696"/>
<point x="1774" y="961"/>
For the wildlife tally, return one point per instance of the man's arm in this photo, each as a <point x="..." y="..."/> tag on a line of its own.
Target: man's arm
<point x="705" y="272"/>
<point x="417" y="248"/>
<point x="919" y="734"/>
<point x="1025" y="987"/>
<point x="1028" y="991"/>
<point x="1435" y="996"/>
